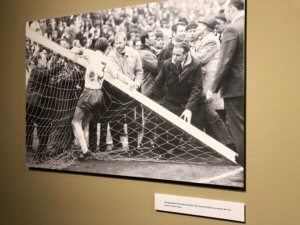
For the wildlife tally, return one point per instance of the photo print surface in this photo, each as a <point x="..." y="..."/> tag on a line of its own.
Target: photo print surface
<point x="153" y="91"/>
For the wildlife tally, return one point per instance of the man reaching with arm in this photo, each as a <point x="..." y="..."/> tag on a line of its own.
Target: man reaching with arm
<point x="182" y="76"/>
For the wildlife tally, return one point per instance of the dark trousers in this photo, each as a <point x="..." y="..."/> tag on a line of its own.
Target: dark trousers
<point x="127" y="116"/>
<point x="215" y="126"/>
<point x="198" y="117"/>
<point x="42" y="118"/>
<point x="123" y="110"/>
<point x="99" y="116"/>
<point x="235" y="116"/>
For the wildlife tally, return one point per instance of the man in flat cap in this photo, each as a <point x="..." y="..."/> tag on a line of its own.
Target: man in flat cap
<point x="206" y="50"/>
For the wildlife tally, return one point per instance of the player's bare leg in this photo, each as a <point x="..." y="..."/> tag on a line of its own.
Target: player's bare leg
<point x="85" y="125"/>
<point x="78" y="130"/>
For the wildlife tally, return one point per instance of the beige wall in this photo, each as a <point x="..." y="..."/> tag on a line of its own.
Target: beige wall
<point x="273" y="136"/>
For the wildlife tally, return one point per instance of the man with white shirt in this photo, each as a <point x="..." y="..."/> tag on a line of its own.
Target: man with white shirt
<point x="230" y="74"/>
<point x="182" y="77"/>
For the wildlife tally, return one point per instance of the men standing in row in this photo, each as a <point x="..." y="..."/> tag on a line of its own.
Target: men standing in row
<point x="230" y="74"/>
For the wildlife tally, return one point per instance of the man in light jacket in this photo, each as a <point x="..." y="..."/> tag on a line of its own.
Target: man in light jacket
<point x="206" y="50"/>
<point x="127" y="61"/>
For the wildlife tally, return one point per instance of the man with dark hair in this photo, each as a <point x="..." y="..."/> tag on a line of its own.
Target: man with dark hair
<point x="178" y="36"/>
<point x="183" y="20"/>
<point x="149" y="62"/>
<point x="230" y="74"/>
<point x="102" y="45"/>
<point x="54" y="36"/>
<point x="137" y="44"/>
<point x="221" y="24"/>
<point x="182" y="76"/>
<point x="91" y="97"/>
<point x="159" y="42"/>
<point x="80" y="35"/>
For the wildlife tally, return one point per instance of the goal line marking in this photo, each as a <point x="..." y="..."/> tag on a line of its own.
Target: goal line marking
<point x="222" y="176"/>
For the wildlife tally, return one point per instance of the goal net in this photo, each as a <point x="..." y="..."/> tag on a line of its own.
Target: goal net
<point x="129" y="126"/>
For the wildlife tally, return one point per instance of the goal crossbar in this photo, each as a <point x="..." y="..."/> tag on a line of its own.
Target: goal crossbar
<point x="161" y="111"/>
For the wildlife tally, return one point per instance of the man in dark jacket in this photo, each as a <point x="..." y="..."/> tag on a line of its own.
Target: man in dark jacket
<point x="149" y="59"/>
<point x="182" y="75"/>
<point x="149" y="63"/>
<point x="230" y="75"/>
<point x="38" y="104"/>
<point x="221" y="24"/>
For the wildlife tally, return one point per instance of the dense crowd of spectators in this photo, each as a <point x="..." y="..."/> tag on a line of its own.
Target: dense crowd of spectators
<point x="84" y="29"/>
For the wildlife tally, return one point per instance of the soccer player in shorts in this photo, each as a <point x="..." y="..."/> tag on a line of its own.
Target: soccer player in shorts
<point x="91" y="99"/>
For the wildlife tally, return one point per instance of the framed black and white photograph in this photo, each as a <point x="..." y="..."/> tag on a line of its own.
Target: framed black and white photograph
<point x="154" y="91"/>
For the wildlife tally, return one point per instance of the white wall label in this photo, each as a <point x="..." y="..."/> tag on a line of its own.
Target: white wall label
<point x="200" y="207"/>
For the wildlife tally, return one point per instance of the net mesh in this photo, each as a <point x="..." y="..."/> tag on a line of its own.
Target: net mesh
<point x="154" y="137"/>
<point x="52" y="95"/>
<point x="121" y="129"/>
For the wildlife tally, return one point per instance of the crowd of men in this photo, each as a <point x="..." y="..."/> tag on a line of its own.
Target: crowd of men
<point x="193" y="66"/>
